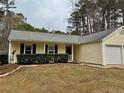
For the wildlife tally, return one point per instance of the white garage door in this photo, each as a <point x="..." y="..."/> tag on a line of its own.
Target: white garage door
<point x="113" y="55"/>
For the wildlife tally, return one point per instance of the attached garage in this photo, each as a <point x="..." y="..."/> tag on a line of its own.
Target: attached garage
<point x="114" y="47"/>
<point x="104" y="48"/>
<point x="113" y="54"/>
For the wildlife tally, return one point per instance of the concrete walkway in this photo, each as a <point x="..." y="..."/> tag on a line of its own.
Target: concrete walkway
<point x="9" y="73"/>
<point x="105" y="67"/>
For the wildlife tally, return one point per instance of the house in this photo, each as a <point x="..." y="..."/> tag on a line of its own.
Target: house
<point x="105" y="47"/>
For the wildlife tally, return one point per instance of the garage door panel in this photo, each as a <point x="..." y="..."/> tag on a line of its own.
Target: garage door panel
<point x="113" y="55"/>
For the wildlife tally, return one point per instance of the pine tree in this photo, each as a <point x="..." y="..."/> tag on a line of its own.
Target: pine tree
<point x="96" y="15"/>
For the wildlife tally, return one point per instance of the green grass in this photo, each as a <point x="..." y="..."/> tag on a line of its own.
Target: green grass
<point x="64" y="78"/>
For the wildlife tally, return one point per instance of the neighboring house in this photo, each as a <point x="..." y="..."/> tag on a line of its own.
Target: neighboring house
<point x="106" y="47"/>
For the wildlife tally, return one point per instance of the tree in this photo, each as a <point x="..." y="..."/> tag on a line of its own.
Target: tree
<point x="28" y="27"/>
<point x="75" y="21"/>
<point x="90" y="16"/>
<point x="24" y="27"/>
<point x="17" y="19"/>
<point x="57" y="32"/>
<point x="41" y="30"/>
<point x="5" y="6"/>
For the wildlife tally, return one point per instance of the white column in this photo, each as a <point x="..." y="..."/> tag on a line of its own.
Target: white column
<point x="9" y="53"/>
<point x="72" y="52"/>
<point x="44" y="47"/>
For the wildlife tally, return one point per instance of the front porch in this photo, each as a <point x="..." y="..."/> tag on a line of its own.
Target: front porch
<point x="51" y="51"/>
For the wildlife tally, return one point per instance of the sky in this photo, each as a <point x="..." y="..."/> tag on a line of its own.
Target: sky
<point x="51" y="14"/>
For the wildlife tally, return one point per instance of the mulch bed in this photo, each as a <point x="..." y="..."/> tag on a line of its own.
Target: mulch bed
<point x="7" y="68"/>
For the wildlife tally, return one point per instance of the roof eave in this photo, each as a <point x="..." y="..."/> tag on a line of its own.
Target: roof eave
<point x="43" y="41"/>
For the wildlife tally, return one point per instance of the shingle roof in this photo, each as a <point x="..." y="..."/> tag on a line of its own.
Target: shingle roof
<point x="96" y="36"/>
<point x="48" y="37"/>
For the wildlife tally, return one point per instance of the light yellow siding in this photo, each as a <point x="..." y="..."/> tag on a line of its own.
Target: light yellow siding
<point x="39" y="48"/>
<point x="116" y="39"/>
<point x="61" y="48"/>
<point x="88" y="53"/>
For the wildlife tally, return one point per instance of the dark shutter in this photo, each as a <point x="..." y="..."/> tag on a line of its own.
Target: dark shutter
<point x="56" y="49"/>
<point x="46" y="49"/>
<point x="22" y="49"/>
<point x="34" y="48"/>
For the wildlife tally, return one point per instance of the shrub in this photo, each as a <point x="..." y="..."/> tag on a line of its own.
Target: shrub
<point x="41" y="58"/>
<point x="3" y="59"/>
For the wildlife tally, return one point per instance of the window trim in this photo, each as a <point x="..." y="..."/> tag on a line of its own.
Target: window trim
<point x="28" y="45"/>
<point x="48" y="51"/>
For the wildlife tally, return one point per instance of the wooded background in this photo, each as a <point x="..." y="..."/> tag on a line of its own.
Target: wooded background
<point x="87" y="17"/>
<point x="90" y="16"/>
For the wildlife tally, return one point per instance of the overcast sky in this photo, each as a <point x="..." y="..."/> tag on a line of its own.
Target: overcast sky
<point x="51" y="14"/>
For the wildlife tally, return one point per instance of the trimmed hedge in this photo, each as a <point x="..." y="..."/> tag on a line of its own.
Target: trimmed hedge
<point x="3" y="59"/>
<point x="42" y="58"/>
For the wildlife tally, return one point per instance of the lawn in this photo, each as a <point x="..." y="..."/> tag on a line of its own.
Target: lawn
<point x="7" y="68"/>
<point x="64" y="78"/>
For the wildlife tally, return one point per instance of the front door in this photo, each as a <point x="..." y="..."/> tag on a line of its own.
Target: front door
<point x="69" y="52"/>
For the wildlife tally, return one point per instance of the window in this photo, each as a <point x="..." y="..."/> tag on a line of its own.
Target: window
<point x="51" y="49"/>
<point x="28" y="49"/>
